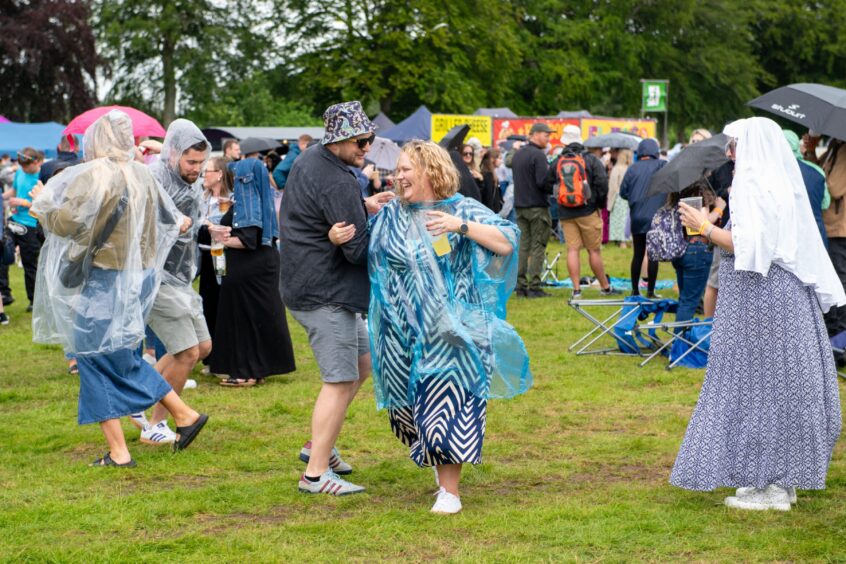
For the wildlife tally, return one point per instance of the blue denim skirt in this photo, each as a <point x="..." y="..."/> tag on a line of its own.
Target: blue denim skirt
<point x="116" y="383"/>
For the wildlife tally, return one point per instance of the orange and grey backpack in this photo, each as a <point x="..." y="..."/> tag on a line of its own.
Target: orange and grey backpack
<point x="573" y="187"/>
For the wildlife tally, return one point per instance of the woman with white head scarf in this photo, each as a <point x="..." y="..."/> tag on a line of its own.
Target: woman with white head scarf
<point x="109" y="227"/>
<point x="768" y="415"/>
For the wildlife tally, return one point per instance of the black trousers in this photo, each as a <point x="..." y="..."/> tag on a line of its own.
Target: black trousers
<point x="30" y="246"/>
<point x="835" y="319"/>
<point x="5" y="290"/>
<point x="639" y="244"/>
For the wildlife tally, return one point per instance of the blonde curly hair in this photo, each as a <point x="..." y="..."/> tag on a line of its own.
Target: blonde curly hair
<point x="432" y="161"/>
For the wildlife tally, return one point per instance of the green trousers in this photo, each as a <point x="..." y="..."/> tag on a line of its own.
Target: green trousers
<point x="535" y="225"/>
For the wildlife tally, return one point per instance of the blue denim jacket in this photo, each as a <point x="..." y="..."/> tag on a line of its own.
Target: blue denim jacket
<point x="254" y="199"/>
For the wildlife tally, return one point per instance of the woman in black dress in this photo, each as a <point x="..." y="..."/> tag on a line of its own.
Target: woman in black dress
<point x="251" y="334"/>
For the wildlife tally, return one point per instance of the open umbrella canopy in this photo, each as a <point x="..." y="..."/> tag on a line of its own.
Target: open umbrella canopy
<point x="4" y="119"/>
<point x="258" y="145"/>
<point x="616" y="140"/>
<point x="384" y="153"/>
<point x="816" y="106"/>
<point x="690" y="165"/>
<point x="142" y="124"/>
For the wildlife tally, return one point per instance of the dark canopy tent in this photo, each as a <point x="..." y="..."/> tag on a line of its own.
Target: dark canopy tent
<point x="416" y="126"/>
<point x="42" y="136"/>
<point x="219" y="133"/>
<point x="382" y="122"/>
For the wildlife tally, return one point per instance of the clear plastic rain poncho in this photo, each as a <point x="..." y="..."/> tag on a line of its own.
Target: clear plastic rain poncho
<point x="441" y="317"/>
<point x="104" y="310"/>
<point x="181" y="264"/>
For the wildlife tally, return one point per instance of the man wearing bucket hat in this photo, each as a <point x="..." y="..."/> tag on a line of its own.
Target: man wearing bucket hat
<point x="326" y="287"/>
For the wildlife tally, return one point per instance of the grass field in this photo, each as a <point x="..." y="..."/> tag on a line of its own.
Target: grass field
<point x="575" y="470"/>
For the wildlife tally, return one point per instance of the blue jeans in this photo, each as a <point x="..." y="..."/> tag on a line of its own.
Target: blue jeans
<point x="692" y="270"/>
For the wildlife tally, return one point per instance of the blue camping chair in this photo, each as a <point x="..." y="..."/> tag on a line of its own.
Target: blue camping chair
<point x="687" y="342"/>
<point x="622" y="326"/>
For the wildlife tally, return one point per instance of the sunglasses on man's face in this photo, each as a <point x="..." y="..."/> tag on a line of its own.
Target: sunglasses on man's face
<point x="362" y="143"/>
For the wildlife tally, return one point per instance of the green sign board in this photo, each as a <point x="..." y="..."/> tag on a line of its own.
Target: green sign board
<point x="654" y="95"/>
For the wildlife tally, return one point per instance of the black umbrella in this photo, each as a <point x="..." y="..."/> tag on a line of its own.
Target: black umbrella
<point x="689" y="166"/>
<point x="616" y="140"/>
<point x="258" y="144"/>
<point x="815" y="106"/>
<point x="454" y="137"/>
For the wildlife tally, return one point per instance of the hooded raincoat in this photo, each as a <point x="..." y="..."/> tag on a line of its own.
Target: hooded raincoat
<point x="110" y="221"/>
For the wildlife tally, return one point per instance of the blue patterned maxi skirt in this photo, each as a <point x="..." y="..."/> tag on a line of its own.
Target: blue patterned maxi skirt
<point x="445" y="426"/>
<point x="769" y="409"/>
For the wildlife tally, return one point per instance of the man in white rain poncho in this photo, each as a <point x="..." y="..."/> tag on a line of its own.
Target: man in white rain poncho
<point x="108" y="229"/>
<point x="177" y="316"/>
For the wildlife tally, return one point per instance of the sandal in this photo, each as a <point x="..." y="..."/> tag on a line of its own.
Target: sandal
<point x="241" y="382"/>
<point x="189" y="433"/>
<point x="106" y="460"/>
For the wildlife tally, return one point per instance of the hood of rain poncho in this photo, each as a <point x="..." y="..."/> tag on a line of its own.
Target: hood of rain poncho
<point x="106" y="312"/>
<point x="772" y="221"/>
<point x="180" y="267"/>
<point x="648" y="148"/>
<point x="441" y="317"/>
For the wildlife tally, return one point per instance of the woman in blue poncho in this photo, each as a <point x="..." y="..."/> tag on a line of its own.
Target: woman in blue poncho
<point x="441" y="269"/>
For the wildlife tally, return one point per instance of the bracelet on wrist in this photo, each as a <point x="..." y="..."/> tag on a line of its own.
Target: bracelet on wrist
<point x="709" y="230"/>
<point x="704" y="226"/>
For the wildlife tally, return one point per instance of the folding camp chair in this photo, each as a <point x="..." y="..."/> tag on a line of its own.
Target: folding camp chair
<point x="621" y="326"/>
<point x="839" y="353"/>
<point x="684" y="340"/>
<point x="550" y="269"/>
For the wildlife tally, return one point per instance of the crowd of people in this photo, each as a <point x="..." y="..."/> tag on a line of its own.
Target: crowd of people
<point x="406" y="276"/>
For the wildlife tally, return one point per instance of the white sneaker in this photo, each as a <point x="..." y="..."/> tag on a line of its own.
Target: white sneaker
<point x="447" y="503"/>
<point x="149" y="359"/>
<point x="139" y="420"/>
<point x="190" y="384"/>
<point x="158" y="434"/>
<point x="771" y="497"/>
<point x="791" y="493"/>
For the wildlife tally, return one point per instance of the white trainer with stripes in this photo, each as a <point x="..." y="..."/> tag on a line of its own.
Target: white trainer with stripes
<point x="158" y="434"/>
<point x="329" y="483"/>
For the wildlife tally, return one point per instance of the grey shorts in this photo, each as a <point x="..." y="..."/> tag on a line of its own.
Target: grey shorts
<point x="338" y="337"/>
<point x="714" y="275"/>
<point x="177" y="318"/>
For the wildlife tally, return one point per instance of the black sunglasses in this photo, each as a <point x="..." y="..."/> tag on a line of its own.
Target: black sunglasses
<point x="362" y="143"/>
<point x="468" y="154"/>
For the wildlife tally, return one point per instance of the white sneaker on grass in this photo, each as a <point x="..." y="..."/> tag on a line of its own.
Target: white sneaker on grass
<point x="743" y="492"/>
<point x="771" y="497"/>
<point x="190" y="384"/>
<point x="329" y="483"/>
<point x="158" y="434"/>
<point x="447" y="503"/>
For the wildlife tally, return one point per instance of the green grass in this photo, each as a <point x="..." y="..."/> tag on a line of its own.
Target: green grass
<point x="575" y="470"/>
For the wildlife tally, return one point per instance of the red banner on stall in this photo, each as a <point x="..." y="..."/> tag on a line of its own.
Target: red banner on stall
<point x="503" y="127"/>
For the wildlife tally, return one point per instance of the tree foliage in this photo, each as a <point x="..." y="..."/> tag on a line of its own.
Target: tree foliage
<point x="47" y="59"/>
<point x="169" y="55"/>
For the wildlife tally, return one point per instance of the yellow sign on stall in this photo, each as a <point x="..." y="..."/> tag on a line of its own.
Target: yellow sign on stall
<point x="481" y="127"/>
<point x="591" y="127"/>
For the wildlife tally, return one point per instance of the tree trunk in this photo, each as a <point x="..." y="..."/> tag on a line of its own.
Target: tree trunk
<point x="169" y="75"/>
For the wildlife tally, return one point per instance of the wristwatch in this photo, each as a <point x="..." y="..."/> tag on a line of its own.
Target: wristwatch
<point x="463" y="228"/>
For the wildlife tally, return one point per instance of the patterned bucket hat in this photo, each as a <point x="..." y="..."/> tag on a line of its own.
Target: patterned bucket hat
<point x="344" y="121"/>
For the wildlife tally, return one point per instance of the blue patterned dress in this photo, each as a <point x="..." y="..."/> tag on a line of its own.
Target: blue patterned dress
<point x="439" y="342"/>
<point x="769" y="409"/>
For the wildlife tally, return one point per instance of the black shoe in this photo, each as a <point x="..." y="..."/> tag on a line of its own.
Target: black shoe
<point x="4" y="319"/>
<point x="29" y="308"/>
<point x="8" y="300"/>
<point x="610" y="291"/>
<point x="653" y="296"/>
<point x="537" y="293"/>
<point x="521" y="292"/>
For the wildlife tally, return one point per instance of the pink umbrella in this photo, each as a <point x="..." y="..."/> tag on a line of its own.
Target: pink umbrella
<point x="142" y="124"/>
<point x="3" y="119"/>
